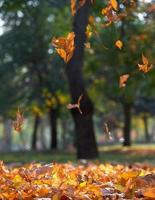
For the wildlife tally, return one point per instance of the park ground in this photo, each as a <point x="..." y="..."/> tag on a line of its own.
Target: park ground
<point x="111" y="154"/>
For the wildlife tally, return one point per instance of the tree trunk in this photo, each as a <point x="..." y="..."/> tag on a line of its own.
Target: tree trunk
<point x="42" y="133"/>
<point x="8" y="134"/>
<point x="64" y="131"/>
<point x="127" y="124"/>
<point x="86" y="143"/>
<point x="53" y="115"/>
<point x="35" y="130"/>
<point x="145" y="121"/>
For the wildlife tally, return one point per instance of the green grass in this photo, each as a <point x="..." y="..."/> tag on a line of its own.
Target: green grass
<point x="112" y="154"/>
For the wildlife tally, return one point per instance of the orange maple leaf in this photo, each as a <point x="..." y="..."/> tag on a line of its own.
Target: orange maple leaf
<point x="114" y="4"/>
<point x="145" y="67"/>
<point x="64" y="46"/>
<point x="18" y="123"/>
<point x="110" y="13"/>
<point x="123" y="79"/>
<point x="73" y="7"/>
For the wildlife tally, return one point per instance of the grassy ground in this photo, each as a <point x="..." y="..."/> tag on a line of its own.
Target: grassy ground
<point x="112" y="154"/>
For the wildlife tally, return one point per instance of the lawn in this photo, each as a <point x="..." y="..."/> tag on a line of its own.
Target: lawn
<point x="112" y="154"/>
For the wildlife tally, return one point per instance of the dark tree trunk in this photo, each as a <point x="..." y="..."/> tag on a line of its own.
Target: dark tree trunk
<point x="53" y="116"/>
<point x="35" y="130"/>
<point x="86" y="143"/>
<point x="145" y="121"/>
<point x="127" y="124"/>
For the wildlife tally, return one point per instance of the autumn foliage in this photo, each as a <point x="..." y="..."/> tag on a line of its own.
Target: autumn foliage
<point x="78" y="182"/>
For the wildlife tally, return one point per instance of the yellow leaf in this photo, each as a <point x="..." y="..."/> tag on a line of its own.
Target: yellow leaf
<point x="129" y="174"/>
<point x="119" y="187"/>
<point x="83" y="184"/>
<point x="114" y="4"/>
<point x="119" y="44"/>
<point x="56" y="197"/>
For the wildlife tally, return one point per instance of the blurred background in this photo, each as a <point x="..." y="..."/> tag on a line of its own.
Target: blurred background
<point x="33" y="78"/>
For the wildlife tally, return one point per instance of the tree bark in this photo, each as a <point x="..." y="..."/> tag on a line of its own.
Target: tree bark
<point x="8" y="134"/>
<point x="86" y="143"/>
<point x="53" y="116"/>
<point x="35" y="130"/>
<point x="145" y="121"/>
<point x="127" y="124"/>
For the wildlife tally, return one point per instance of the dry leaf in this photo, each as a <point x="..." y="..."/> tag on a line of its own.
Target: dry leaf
<point x="77" y="105"/>
<point x="145" y="60"/>
<point x="87" y="45"/>
<point x="18" y="123"/>
<point x="123" y="79"/>
<point x="64" y="46"/>
<point x="87" y="181"/>
<point x="73" y="7"/>
<point x="145" y="67"/>
<point x="119" y="44"/>
<point x="129" y="174"/>
<point x="110" y="15"/>
<point x="149" y="192"/>
<point x="107" y="131"/>
<point x="114" y="4"/>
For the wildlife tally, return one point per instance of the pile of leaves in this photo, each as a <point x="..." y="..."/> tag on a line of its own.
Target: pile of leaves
<point x="77" y="182"/>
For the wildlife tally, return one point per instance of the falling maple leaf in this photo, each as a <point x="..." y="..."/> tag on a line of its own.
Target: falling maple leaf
<point x="111" y="15"/>
<point x="114" y="4"/>
<point x="107" y="131"/>
<point x="123" y="79"/>
<point x="18" y="123"/>
<point x="73" y="7"/>
<point x="119" y="44"/>
<point x="64" y="46"/>
<point x="76" y="105"/>
<point x="145" y="67"/>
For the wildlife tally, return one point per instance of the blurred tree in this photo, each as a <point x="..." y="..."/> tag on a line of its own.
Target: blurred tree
<point x="107" y="63"/>
<point x="85" y="136"/>
<point x="26" y="41"/>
